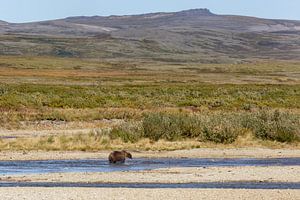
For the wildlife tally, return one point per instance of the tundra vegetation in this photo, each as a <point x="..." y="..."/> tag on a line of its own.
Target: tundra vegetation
<point x="161" y="106"/>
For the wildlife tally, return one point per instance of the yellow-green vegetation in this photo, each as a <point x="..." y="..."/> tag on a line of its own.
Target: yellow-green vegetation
<point x="214" y="127"/>
<point x="23" y="102"/>
<point x="192" y="130"/>
<point x="149" y="96"/>
<point x="196" y="105"/>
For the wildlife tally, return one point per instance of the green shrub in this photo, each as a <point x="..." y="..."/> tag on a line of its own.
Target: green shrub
<point x="50" y="139"/>
<point x="162" y="126"/>
<point x="221" y="129"/>
<point x="180" y="126"/>
<point x="127" y="132"/>
<point x="277" y="126"/>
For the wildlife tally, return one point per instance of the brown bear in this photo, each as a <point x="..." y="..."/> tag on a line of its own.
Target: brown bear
<point x="118" y="156"/>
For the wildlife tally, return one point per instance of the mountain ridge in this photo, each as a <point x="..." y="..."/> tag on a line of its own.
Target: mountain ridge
<point x="202" y="11"/>
<point x="120" y="21"/>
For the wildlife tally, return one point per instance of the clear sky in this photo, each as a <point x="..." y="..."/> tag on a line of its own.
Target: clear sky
<point x="37" y="10"/>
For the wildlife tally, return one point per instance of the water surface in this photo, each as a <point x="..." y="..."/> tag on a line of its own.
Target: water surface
<point x="94" y="165"/>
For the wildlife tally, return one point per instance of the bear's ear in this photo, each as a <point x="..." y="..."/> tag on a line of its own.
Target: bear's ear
<point x="129" y="155"/>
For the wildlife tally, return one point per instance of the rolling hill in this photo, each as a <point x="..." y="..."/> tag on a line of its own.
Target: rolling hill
<point x="188" y="36"/>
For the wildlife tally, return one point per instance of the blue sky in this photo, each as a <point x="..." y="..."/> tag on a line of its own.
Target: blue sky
<point x="37" y="10"/>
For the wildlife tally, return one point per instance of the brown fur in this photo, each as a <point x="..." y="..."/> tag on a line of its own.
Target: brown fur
<point x="119" y="156"/>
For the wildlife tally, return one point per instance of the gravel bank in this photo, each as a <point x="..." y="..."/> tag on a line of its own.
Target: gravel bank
<point x="164" y="194"/>
<point x="171" y="175"/>
<point x="193" y="153"/>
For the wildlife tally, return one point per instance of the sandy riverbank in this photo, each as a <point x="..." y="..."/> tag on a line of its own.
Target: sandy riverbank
<point x="145" y="194"/>
<point x="171" y="175"/>
<point x="193" y="153"/>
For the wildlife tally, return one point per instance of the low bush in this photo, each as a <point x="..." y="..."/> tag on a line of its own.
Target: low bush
<point x="276" y="126"/>
<point x="181" y="126"/>
<point x="129" y="132"/>
<point x="161" y="126"/>
<point x="221" y="129"/>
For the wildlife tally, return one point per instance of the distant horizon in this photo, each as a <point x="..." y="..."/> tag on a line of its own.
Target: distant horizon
<point x="22" y="11"/>
<point x="148" y="13"/>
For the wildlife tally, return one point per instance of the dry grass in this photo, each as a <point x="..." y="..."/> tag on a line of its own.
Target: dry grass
<point x="84" y="142"/>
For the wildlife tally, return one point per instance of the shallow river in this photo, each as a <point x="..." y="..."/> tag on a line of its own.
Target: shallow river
<point x="93" y="165"/>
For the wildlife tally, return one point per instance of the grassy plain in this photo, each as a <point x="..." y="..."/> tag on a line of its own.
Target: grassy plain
<point x="198" y="104"/>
